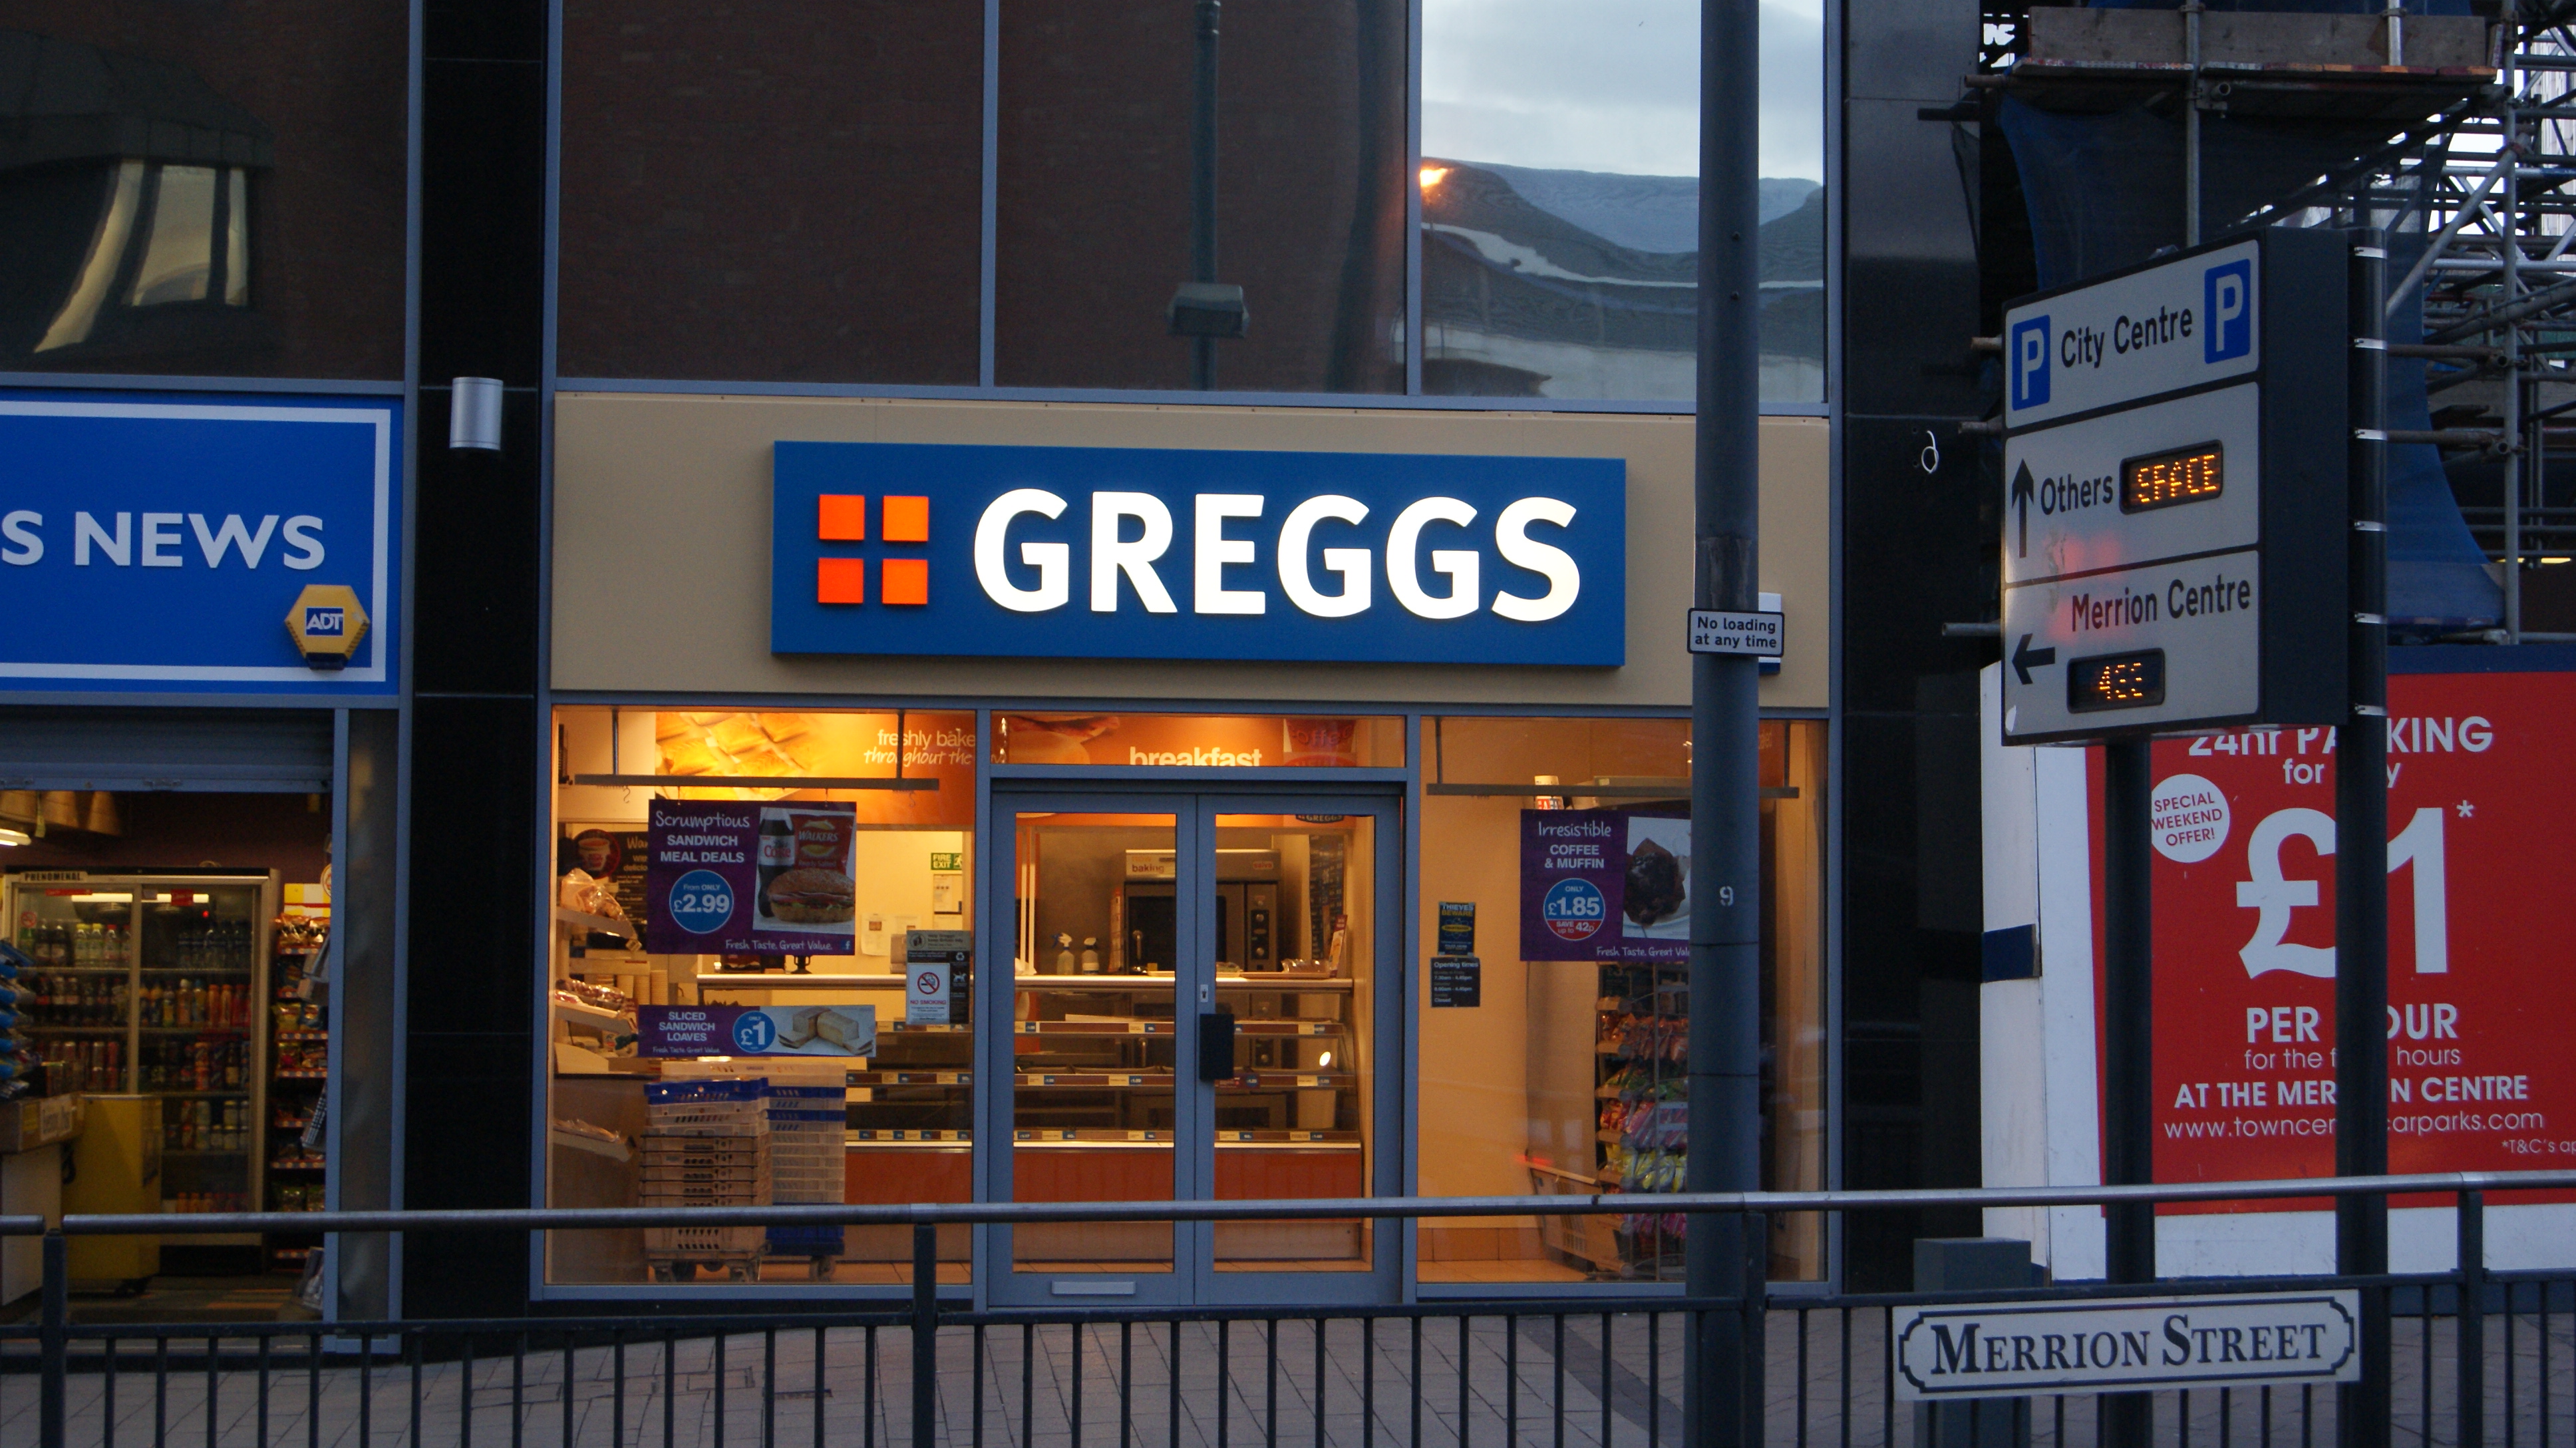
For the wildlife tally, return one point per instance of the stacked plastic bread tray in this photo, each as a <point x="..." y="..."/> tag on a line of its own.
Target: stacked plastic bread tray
<point x="807" y="1153"/>
<point x="706" y="1144"/>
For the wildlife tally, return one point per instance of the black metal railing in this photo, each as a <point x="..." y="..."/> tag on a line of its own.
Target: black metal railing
<point x="2479" y="1356"/>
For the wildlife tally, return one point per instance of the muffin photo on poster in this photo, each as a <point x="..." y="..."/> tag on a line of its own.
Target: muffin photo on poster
<point x="746" y="878"/>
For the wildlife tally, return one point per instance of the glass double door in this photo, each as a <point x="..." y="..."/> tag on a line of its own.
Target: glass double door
<point x="1196" y="996"/>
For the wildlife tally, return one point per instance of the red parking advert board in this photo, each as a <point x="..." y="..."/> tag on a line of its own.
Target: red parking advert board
<point x="2481" y="967"/>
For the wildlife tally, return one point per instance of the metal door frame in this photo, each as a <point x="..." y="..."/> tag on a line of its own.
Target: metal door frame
<point x="1194" y="805"/>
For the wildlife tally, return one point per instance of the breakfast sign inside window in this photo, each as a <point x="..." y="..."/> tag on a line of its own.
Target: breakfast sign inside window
<point x="749" y="878"/>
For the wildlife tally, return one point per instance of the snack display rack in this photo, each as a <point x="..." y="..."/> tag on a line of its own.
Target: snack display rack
<point x="1642" y="1122"/>
<point x="299" y="1055"/>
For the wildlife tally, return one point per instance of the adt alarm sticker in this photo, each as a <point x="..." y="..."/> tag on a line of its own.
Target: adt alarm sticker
<point x="1574" y="909"/>
<point x="754" y="1032"/>
<point x="701" y="902"/>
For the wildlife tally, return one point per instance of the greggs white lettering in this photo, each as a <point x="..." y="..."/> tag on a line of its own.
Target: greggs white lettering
<point x="1433" y="565"/>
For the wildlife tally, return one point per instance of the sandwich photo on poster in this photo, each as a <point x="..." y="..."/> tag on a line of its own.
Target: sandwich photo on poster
<point x="1610" y="885"/>
<point x="756" y="879"/>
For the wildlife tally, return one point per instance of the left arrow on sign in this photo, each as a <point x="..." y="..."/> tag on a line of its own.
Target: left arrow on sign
<point x="2025" y="658"/>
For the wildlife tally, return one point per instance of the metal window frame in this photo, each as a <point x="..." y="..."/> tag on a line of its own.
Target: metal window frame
<point x="1407" y="780"/>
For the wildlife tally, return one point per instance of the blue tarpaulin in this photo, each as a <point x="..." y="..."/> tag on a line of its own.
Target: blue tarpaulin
<point x="2104" y="192"/>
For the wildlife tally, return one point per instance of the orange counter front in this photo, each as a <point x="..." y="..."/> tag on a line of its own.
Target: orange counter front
<point x="1111" y="1173"/>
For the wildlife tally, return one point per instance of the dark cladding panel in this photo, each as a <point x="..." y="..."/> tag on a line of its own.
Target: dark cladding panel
<point x="1097" y="103"/>
<point x="778" y="193"/>
<point x="1910" y="267"/>
<point x="203" y="189"/>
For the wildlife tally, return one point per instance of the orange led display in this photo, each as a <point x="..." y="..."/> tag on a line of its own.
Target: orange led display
<point x="2162" y="480"/>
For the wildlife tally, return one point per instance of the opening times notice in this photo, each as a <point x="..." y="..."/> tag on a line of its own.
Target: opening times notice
<point x="2480" y="984"/>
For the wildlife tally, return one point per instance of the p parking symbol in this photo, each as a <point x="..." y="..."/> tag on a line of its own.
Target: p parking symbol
<point x="2030" y="363"/>
<point x="2229" y="300"/>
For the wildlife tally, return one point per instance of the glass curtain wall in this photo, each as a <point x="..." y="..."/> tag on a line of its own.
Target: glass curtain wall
<point x="1560" y="199"/>
<point x="796" y="195"/>
<point x="1568" y="839"/>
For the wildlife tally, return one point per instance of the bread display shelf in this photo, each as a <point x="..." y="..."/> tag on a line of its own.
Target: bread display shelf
<point x="1162" y="980"/>
<point x="590" y="1018"/>
<point x="1141" y="1026"/>
<point x="584" y="920"/>
<point x="782" y="980"/>
<point x="1068" y="1136"/>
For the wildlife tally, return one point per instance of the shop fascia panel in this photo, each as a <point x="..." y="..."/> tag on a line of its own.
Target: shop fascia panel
<point x="661" y="547"/>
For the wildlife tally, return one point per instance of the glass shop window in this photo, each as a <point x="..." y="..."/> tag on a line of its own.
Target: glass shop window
<point x="1560" y="199"/>
<point x="1570" y="840"/>
<point x="1199" y="741"/>
<point x="740" y="900"/>
<point x="1098" y="231"/>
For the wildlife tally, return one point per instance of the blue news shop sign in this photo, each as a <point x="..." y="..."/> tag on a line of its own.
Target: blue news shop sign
<point x="1152" y="553"/>
<point x="157" y="544"/>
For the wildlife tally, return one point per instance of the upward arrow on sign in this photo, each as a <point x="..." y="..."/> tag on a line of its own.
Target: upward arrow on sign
<point x="2023" y="491"/>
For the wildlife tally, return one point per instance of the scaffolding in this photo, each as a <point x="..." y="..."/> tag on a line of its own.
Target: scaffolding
<point x="2465" y="129"/>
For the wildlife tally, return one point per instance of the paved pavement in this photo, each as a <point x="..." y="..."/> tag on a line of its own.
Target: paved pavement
<point x="1063" y="1390"/>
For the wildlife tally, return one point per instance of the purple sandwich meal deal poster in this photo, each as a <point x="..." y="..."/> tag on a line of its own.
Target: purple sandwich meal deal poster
<point x="1606" y="885"/>
<point x="751" y="879"/>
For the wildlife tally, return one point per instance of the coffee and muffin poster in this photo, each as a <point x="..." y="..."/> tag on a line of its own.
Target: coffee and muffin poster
<point x="1607" y="885"/>
<point x="751" y="878"/>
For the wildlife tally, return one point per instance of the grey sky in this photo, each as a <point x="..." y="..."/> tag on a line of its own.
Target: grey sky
<point x="1607" y="85"/>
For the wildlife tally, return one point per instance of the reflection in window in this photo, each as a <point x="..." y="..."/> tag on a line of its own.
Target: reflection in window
<point x="1560" y="199"/>
<point x="164" y="236"/>
<point x="179" y="257"/>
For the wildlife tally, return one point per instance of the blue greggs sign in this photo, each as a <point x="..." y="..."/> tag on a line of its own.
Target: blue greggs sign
<point x="150" y="543"/>
<point x="1152" y="553"/>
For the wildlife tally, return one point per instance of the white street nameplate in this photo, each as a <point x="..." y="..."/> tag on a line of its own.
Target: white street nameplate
<point x="2112" y="1345"/>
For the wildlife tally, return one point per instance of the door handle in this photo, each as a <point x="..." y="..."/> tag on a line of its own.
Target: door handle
<point x="1216" y="1046"/>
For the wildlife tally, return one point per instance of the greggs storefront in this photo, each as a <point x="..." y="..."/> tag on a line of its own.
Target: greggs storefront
<point x="979" y="801"/>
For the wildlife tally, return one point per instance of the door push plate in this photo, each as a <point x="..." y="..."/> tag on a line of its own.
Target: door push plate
<point x="1216" y="1045"/>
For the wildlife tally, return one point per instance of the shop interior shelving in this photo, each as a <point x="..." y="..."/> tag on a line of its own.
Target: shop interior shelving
<point x="153" y="983"/>
<point x="299" y="1057"/>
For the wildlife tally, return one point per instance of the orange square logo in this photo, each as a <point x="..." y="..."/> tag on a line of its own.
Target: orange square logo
<point x="843" y="519"/>
<point x="907" y="520"/>
<point x="907" y="580"/>
<point x="841" y="580"/>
